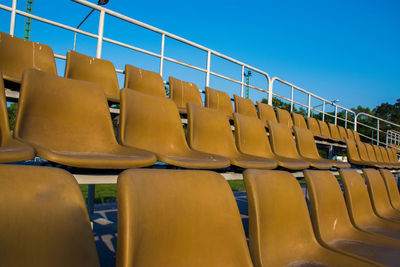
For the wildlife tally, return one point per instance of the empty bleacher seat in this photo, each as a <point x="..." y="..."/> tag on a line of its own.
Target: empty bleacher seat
<point x="11" y="150"/>
<point x="372" y="156"/>
<point x="44" y="220"/>
<point x="385" y="157"/>
<point x="280" y="229"/>
<point x="353" y="155"/>
<point x="298" y="120"/>
<point x="334" y="131"/>
<point x="252" y="139"/>
<point x="17" y="54"/>
<point x="284" y="117"/>
<point x="356" y="136"/>
<point x="342" y="132"/>
<point x="379" y="156"/>
<point x="360" y="209"/>
<point x="91" y="69"/>
<point x="323" y="126"/>
<point x="350" y="134"/>
<point x="266" y="113"/>
<point x="244" y="106"/>
<point x="393" y="157"/>
<point x="209" y="131"/>
<point x="313" y="126"/>
<point x="68" y="122"/>
<point x="178" y="218"/>
<point x="144" y="81"/>
<point x="333" y="226"/>
<point x="219" y="100"/>
<point x="379" y="196"/>
<point x="182" y="92"/>
<point x="153" y="123"/>
<point x="307" y="148"/>
<point x="392" y="188"/>
<point x="364" y="155"/>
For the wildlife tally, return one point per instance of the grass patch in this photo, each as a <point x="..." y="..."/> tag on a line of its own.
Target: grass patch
<point x="237" y="185"/>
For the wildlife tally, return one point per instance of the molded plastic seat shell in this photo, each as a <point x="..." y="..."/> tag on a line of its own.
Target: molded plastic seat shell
<point x="356" y="136"/>
<point x="17" y="54"/>
<point x="144" y="81"/>
<point x="252" y="139"/>
<point x="182" y="92"/>
<point x="372" y="156"/>
<point x="333" y="227"/>
<point x="266" y="113"/>
<point x="153" y="123"/>
<point x="313" y="126"/>
<point x="280" y="229"/>
<point x="298" y="120"/>
<point x="219" y="100"/>
<point x="244" y="106"/>
<point x="360" y="209"/>
<point x="91" y="69"/>
<point x="334" y="131"/>
<point x="392" y="188"/>
<point x="379" y="195"/>
<point x="353" y="155"/>
<point x="308" y="150"/>
<point x="284" y="117"/>
<point x="11" y="150"/>
<point x="178" y="218"/>
<point x="350" y="134"/>
<point x="343" y="133"/>
<point x="44" y="220"/>
<point x="325" y="131"/>
<point x="68" y="121"/>
<point x="393" y="157"/>
<point x="363" y="152"/>
<point x="385" y="157"/>
<point x="209" y="131"/>
<point x="379" y="156"/>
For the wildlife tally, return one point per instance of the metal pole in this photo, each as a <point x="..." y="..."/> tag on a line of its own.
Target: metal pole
<point x="345" y="119"/>
<point x="270" y="84"/>
<point x="323" y="110"/>
<point x="162" y="54"/>
<point x="377" y="133"/>
<point x="309" y="105"/>
<point x="242" y="87"/>
<point x="208" y="68"/>
<point x="291" y="103"/>
<point x="100" y="35"/>
<point x="335" y="114"/>
<point x="12" y="21"/>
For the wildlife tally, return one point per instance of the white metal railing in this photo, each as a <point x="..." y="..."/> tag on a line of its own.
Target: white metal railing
<point x="270" y="90"/>
<point x="392" y="138"/>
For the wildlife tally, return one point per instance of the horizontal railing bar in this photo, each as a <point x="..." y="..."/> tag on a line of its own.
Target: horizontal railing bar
<point x="376" y="118"/>
<point x="184" y="64"/>
<point x="131" y="47"/>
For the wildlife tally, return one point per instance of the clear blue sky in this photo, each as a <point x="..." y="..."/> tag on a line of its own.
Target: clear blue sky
<point x="347" y="50"/>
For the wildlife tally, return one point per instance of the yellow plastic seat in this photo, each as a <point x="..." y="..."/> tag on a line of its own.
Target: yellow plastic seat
<point x="334" y="131"/>
<point x="393" y="157"/>
<point x="44" y="220"/>
<point x="360" y="209"/>
<point x="356" y="136"/>
<point x="252" y="139"/>
<point x="342" y="132"/>
<point x="298" y="120"/>
<point x="153" y="123"/>
<point x="350" y="134"/>
<point x="68" y="122"/>
<point x="244" y="106"/>
<point x="364" y="155"/>
<point x="182" y="92"/>
<point x="392" y="188"/>
<point x="283" y="144"/>
<point x="333" y="227"/>
<point x="379" y="196"/>
<point x="144" y="81"/>
<point x="372" y="156"/>
<point x="219" y="100"/>
<point x="91" y="69"/>
<point x="11" y="150"/>
<point x="308" y="150"/>
<point x="209" y="131"/>
<point x="266" y="113"/>
<point x="280" y="229"/>
<point x="284" y="117"/>
<point x="386" y="158"/>
<point x="379" y="156"/>
<point x="178" y="218"/>
<point x="353" y="155"/>
<point x="17" y="54"/>
<point x="325" y="131"/>
<point x="313" y="126"/>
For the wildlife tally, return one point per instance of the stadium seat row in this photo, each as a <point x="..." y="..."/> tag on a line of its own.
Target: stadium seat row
<point x="190" y="218"/>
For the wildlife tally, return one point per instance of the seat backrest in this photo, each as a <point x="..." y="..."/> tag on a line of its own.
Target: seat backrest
<point x="350" y="133"/>
<point x="298" y="120"/>
<point x="244" y="106"/>
<point x="327" y="206"/>
<point x="377" y="191"/>
<point x="391" y="155"/>
<point x="378" y="154"/>
<point x="357" y="198"/>
<point x="305" y="143"/>
<point x="178" y="218"/>
<point x="284" y="117"/>
<point x="334" y="131"/>
<point x="63" y="114"/>
<point x="391" y="187"/>
<point x="4" y="126"/>
<point x="362" y="151"/>
<point x="324" y="128"/>
<point x="182" y="92"/>
<point x="209" y="131"/>
<point x="279" y="222"/>
<point x="17" y="54"/>
<point x="356" y="136"/>
<point x="343" y="133"/>
<point x="150" y="122"/>
<point x="384" y="154"/>
<point x="266" y="112"/>
<point x="145" y="81"/>
<point x="251" y="137"/>
<point x="352" y="151"/>
<point x="219" y="100"/>
<point x="371" y="152"/>
<point x="91" y="69"/>
<point x="313" y="126"/>
<point x="44" y="222"/>
<point x="282" y="142"/>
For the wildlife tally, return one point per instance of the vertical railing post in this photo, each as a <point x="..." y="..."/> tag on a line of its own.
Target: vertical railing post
<point x="335" y="114"/>
<point x="323" y="110"/>
<point x="377" y="133"/>
<point x="100" y="34"/>
<point x="270" y="84"/>
<point x="242" y="87"/>
<point x="291" y="102"/>
<point x="208" y="68"/>
<point x="309" y="105"/>
<point x="345" y="119"/>
<point x="12" y="20"/>
<point x="162" y="54"/>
